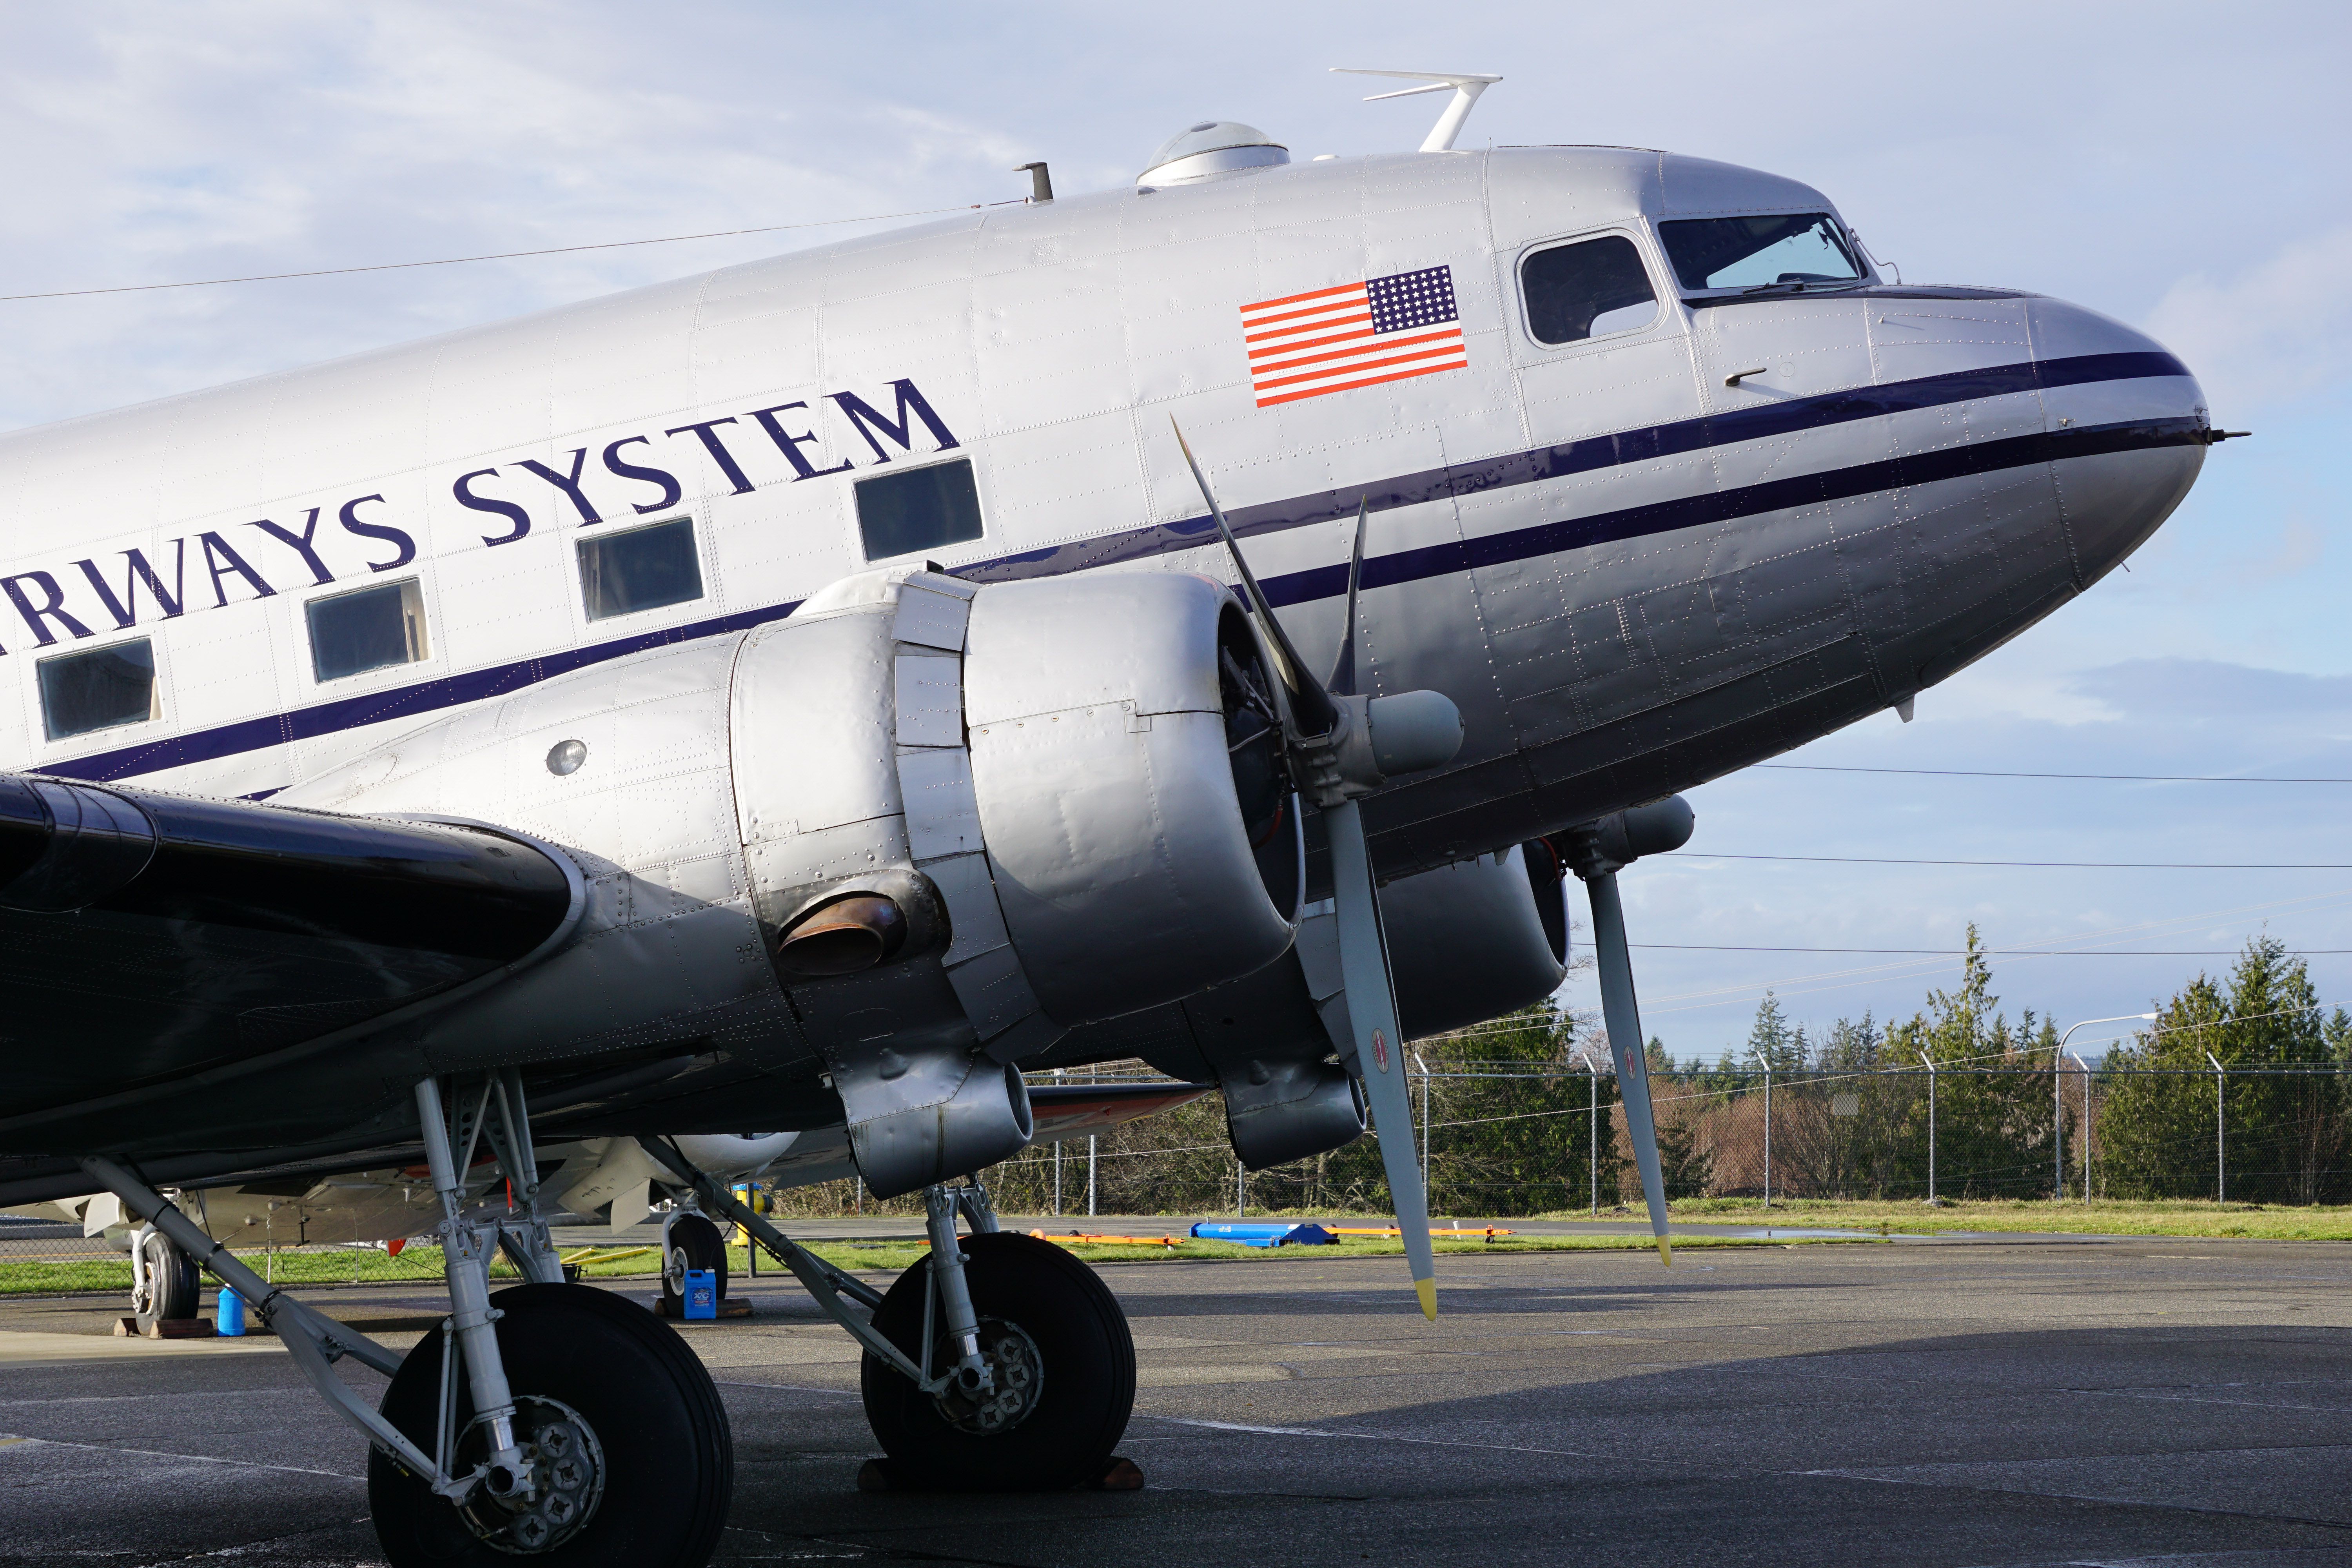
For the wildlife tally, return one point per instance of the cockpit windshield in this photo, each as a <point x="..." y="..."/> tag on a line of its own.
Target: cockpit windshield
<point x="1758" y="252"/>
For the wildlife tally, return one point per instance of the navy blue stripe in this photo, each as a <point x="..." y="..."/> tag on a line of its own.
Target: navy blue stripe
<point x="1684" y="436"/>
<point x="401" y="702"/>
<point x="1469" y="478"/>
<point x="1743" y="501"/>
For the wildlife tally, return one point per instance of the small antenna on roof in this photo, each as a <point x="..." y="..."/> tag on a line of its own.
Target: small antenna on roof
<point x="1467" y="85"/>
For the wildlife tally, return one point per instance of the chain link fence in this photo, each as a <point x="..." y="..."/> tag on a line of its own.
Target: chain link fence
<point x="1522" y="1119"/>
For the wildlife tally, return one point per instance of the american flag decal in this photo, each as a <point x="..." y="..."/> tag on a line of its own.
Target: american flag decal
<point x="1354" y="334"/>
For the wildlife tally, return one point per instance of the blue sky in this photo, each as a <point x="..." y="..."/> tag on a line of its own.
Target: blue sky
<point x="2176" y="165"/>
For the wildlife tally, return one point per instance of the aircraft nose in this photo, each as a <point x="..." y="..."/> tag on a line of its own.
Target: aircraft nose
<point x="2128" y="431"/>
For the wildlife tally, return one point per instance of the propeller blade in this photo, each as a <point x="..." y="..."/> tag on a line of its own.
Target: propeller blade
<point x="1313" y="723"/>
<point x="1311" y="708"/>
<point x="1380" y="1046"/>
<point x="1624" y="1020"/>
<point x="1343" y="666"/>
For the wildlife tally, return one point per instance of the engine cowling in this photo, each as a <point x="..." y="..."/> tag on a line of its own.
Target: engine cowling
<point x="903" y="840"/>
<point x="1476" y="939"/>
<point x="1467" y="942"/>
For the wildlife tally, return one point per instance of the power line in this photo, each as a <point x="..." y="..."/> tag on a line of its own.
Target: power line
<point x="505" y="255"/>
<point x="2050" y="865"/>
<point x="2121" y="778"/>
<point x="1916" y="968"/>
<point x="1995" y="952"/>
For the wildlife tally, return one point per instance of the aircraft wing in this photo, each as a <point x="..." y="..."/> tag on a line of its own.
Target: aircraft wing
<point x="154" y="945"/>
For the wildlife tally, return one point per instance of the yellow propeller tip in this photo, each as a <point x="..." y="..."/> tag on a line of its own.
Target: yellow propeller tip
<point x="1427" y="1291"/>
<point x="1665" y="1253"/>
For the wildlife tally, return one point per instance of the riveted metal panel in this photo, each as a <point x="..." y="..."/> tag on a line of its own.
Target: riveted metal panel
<point x="942" y="815"/>
<point x="810" y="726"/>
<point x="932" y="611"/>
<point x="931" y="700"/>
<point x="1060" y="643"/>
<point x="994" y="993"/>
<point x="978" y="924"/>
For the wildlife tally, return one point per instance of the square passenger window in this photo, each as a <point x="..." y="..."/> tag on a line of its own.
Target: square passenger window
<point x="639" y="569"/>
<point x="354" y="633"/>
<point x="99" y="689"/>
<point x="917" y="510"/>
<point x="1587" y="290"/>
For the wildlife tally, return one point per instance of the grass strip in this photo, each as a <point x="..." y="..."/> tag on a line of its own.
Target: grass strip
<point x="2187" y="1217"/>
<point x="2197" y="1218"/>
<point x="423" y="1264"/>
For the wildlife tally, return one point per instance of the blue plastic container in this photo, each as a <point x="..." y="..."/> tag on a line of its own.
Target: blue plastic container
<point x="701" y="1294"/>
<point x="1247" y="1234"/>
<point x="228" y="1314"/>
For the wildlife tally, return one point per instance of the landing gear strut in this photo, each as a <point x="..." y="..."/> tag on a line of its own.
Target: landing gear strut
<point x="1041" y="1405"/>
<point x="998" y="1363"/>
<point x="631" y="1448"/>
<point x="690" y="1241"/>
<point x="164" y="1281"/>
<point x="551" y="1418"/>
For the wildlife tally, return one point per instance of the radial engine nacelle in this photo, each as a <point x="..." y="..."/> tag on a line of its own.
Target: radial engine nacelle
<point x="1467" y="942"/>
<point x="904" y="839"/>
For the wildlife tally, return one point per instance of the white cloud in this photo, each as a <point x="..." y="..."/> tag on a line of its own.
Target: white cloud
<point x="2269" y="334"/>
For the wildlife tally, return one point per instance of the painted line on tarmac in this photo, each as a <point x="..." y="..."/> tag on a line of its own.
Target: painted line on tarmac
<point x="166" y="1394"/>
<point x="1953" y="1484"/>
<point x="2199" y="1399"/>
<point x="1394" y="1438"/>
<point x="789" y="1388"/>
<point x="11" y="1441"/>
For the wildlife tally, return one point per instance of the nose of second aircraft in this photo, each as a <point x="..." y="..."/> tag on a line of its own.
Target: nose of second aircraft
<point x="2127" y="428"/>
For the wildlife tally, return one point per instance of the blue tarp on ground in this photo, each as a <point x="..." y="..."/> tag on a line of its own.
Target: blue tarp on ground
<point x="1253" y="1234"/>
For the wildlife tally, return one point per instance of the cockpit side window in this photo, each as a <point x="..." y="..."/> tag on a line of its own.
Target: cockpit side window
<point x="1757" y="252"/>
<point x="1588" y="289"/>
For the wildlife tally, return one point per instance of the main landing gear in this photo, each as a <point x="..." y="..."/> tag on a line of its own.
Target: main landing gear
<point x="690" y="1241"/>
<point x="550" y="1420"/>
<point x="630" y="1448"/>
<point x="164" y="1282"/>
<point x="998" y="1363"/>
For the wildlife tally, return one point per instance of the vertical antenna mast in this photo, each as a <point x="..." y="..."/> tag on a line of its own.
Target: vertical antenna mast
<point x="1467" y="85"/>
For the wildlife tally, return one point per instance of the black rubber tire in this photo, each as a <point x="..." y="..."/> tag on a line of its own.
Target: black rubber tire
<point x="1083" y="1345"/>
<point x="669" y="1453"/>
<point x="173" y="1284"/>
<point x="695" y="1235"/>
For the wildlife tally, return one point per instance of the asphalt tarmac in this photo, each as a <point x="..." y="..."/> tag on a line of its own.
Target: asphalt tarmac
<point x="1972" y="1402"/>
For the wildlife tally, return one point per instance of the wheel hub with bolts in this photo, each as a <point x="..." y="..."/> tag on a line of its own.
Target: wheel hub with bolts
<point x="144" y="1289"/>
<point x="1018" y="1372"/>
<point x="566" y="1479"/>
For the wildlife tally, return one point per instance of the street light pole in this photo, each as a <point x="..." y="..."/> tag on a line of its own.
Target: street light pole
<point x="2085" y="1067"/>
<point x="2220" y="1159"/>
<point x="1592" y="1070"/>
<point x="2058" y="1101"/>
<point x="1930" y="1062"/>
<point x="1425" y="1119"/>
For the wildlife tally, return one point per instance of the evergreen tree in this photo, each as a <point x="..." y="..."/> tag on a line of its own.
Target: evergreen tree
<point x="1993" y="1131"/>
<point x="2285" y="1134"/>
<point x="1867" y="1112"/>
<point x="1773" y="1041"/>
<point x="1521" y="1143"/>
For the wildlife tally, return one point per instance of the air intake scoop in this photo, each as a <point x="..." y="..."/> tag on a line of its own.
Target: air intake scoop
<point x="1213" y="149"/>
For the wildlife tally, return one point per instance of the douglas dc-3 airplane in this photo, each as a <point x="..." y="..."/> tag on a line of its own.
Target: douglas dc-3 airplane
<point x="808" y="695"/>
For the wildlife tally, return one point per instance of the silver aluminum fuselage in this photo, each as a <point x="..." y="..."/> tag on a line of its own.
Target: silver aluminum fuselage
<point x="1632" y="577"/>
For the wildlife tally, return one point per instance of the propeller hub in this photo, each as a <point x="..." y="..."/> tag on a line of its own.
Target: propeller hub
<point x="1608" y="843"/>
<point x="1372" y="740"/>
